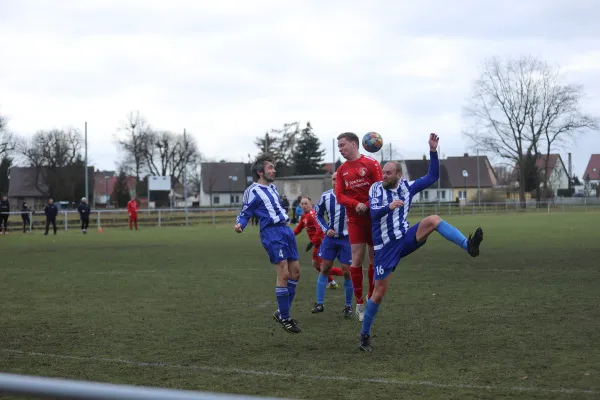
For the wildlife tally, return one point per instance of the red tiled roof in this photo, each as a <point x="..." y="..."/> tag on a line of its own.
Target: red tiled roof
<point x="589" y="170"/>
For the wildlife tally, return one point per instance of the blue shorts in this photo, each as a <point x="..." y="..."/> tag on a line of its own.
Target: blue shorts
<point x="336" y="247"/>
<point x="280" y="243"/>
<point x="387" y="258"/>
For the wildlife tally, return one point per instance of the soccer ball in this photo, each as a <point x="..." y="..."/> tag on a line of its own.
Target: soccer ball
<point x="372" y="142"/>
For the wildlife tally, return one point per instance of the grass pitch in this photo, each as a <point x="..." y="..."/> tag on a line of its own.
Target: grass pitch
<point x="191" y="308"/>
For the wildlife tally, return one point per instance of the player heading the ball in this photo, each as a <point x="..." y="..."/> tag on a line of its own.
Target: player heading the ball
<point x="261" y="199"/>
<point x="354" y="178"/>
<point x="394" y="238"/>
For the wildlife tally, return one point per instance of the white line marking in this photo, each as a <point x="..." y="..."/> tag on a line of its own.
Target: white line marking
<point x="309" y="377"/>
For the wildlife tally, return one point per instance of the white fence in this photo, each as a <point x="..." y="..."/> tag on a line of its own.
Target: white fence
<point x="53" y="388"/>
<point x="118" y="218"/>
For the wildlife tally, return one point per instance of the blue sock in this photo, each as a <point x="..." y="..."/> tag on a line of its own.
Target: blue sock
<point x="321" y="286"/>
<point x="452" y="234"/>
<point x="370" y="313"/>
<point x="349" y="289"/>
<point x="292" y="289"/>
<point x="283" y="299"/>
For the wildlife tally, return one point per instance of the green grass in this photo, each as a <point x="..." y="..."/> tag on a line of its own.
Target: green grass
<point x="521" y="321"/>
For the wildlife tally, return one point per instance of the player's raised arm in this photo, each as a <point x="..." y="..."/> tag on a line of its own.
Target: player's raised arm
<point x="248" y="205"/>
<point x="321" y="208"/>
<point x="434" y="168"/>
<point x="376" y="204"/>
<point x="340" y="192"/>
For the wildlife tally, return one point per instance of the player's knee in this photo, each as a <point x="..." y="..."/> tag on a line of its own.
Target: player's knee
<point x="377" y="296"/>
<point x="433" y="221"/>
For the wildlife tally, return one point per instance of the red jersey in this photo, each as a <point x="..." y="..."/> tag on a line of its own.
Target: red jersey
<point x="132" y="207"/>
<point x="314" y="231"/>
<point x="354" y="179"/>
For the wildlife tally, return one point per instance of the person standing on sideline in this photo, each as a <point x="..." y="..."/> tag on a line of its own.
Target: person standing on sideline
<point x="51" y="212"/>
<point x="132" y="209"/>
<point x="84" y="215"/>
<point x="4" y="213"/>
<point x="25" y="216"/>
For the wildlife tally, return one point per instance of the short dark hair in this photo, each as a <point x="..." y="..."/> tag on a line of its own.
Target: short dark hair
<point x="259" y="164"/>
<point x="349" y="136"/>
<point x="306" y="197"/>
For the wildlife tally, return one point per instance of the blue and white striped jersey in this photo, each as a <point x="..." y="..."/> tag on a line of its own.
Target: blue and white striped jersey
<point x="336" y="214"/>
<point x="263" y="202"/>
<point x="389" y="225"/>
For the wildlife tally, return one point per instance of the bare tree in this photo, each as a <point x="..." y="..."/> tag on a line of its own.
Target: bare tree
<point x="281" y="143"/>
<point x="515" y="103"/>
<point x="194" y="177"/>
<point x="558" y="119"/>
<point x="56" y="157"/>
<point x="7" y="139"/>
<point x="132" y="141"/>
<point x="167" y="154"/>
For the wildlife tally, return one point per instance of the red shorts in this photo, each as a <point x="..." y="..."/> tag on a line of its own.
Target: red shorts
<point x="133" y="217"/>
<point x="315" y="255"/>
<point x="359" y="230"/>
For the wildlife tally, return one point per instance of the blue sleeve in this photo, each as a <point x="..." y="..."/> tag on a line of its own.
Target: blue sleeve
<point x="321" y="208"/>
<point x="432" y="175"/>
<point x="248" y="206"/>
<point x="376" y="201"/>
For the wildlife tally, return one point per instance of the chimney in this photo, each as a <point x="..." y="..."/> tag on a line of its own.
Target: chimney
<point x="466" y="154"/>
<point x="570" y="167"/>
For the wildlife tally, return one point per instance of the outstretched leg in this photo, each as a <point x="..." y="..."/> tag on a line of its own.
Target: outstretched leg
<point x="434" y="222"/>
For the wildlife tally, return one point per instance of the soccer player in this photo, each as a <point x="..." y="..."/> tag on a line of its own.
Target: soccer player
<point x="308" y="220"/>
<point x="4" y="213"/>
<point x="84" y="215"/>
<point x="262" y="199"/>
<point x="132" y="209"/>
<point x="355" y="177"/>
<point x="335" y="245"/>
<point x="394" y="238"/>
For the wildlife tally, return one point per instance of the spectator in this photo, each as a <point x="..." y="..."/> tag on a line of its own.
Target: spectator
<point x="4" y="213"/>
<point x="51" y="212"/>
<point x="84" y="215"/>
<point x="25" y="217"/>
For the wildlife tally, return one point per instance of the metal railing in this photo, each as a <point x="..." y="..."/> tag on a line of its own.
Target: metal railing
<point x="54" y="388"/>
<point x="118" y="218"/>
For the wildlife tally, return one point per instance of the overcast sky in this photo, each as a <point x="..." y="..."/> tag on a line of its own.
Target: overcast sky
<point x="228" y="71"/>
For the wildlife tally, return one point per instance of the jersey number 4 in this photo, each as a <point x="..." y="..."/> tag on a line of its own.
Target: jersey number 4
<point x="281" y="253"/>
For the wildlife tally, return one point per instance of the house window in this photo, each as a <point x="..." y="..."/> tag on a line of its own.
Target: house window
<point x="231" y="199"/>
<point x="216" y="199"/>
<point x="462" y="194"/>
<point x="426" y="195"/>
<point x="441" y="194"/>
<point x="237" y="199"/>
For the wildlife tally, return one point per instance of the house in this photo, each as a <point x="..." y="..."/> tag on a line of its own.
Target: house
<point x="223" y="183"/>
<point x="592" y="173"/>
<point x="29" y="184"/>
<point x="558" y="175"/>
<point x="470" y="177"/>
<point x="452" y="184"/>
